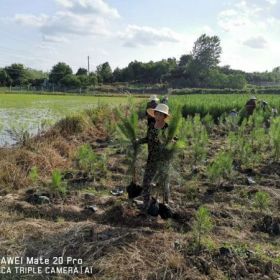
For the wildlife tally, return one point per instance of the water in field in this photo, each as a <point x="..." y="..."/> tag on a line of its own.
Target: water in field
<point x="22" y="112"/>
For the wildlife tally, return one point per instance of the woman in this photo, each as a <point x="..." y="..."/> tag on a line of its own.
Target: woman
<point x="161" y="115"/>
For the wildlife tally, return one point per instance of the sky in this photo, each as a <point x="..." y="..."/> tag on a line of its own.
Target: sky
<point x="41" y="33"/>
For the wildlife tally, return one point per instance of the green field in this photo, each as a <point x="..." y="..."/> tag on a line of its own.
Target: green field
<point x="20" y="112"/>
<point x="217" y="104"/>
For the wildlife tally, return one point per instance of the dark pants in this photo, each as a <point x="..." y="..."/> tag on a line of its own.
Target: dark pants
<point x="151" y="171"/>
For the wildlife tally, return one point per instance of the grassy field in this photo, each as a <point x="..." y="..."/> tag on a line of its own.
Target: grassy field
<point x="29" y="111"/>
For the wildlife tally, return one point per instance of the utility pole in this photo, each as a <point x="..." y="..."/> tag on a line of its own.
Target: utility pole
<point x="88" y="65"/>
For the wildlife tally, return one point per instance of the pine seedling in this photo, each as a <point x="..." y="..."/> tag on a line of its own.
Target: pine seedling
<point x="208" y="121"/>
<point x="274" y="133"/>
<point x="33" y="175"/>
<point x="87" y="158"/>
<point x="128" y="130"/>
<point x="202" y="225"/>
<point x="57" y="186"/>
<point x="221" y="167"/>
<point x="262" y="201"/>
<point x="169" y="148"/>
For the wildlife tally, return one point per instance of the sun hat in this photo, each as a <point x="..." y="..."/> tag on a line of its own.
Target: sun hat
<point x="153" y="98"/>
<point x="253" y="98"/>
<point x="162" y="108"/>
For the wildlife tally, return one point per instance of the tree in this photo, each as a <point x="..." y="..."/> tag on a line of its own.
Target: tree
<point x="118" y="75"/>
<point x="206" y="51"/>
<point x="3" y="77"/>
<point x="216" y="79"/>
<point x="59" y="71"/>
<point x="70" y="81"/>
<point x="92" y="79"/>
<point x="17" y="74"/>
<point x="184" y="60"/>
<point x="237" y="81"/>
<point x="104" y="73"/>
<point x="82" y="71"/>
<point x="36" y="77"/>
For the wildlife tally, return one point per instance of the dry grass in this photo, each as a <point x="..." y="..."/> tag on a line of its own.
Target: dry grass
<point x="116" y="241"/>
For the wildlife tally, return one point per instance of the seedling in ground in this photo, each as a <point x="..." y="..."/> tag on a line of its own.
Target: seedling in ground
<point x="33" y="175"/>
<point x="86" y="158"/>
<point x="199" y="140"/>
<point x="57" y="186"/>
<point x="221" y="167"/>
<point x="128" y="130"/>
<point x="274" y="134"/>
<point x="262" y="201"/>
<point x="202" y="225"/>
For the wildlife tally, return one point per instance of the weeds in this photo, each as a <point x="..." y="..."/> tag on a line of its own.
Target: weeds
<point x="71" y="124"/>
<point x="20" y="134"/>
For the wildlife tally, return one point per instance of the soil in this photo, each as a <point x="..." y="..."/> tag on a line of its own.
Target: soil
<point x="116" y="240"/>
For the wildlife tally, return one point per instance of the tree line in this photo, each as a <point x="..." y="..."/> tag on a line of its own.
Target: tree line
<point x="199" y="68"/>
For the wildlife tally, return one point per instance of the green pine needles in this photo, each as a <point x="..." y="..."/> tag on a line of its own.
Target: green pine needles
<point x="202" y="225"/>
<point x="58" y="187"/>
<point x="221" y="168"/>
<point x="128" y="131"/>
<point x="261" y="201"/>
<point x="274" y="133"/>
